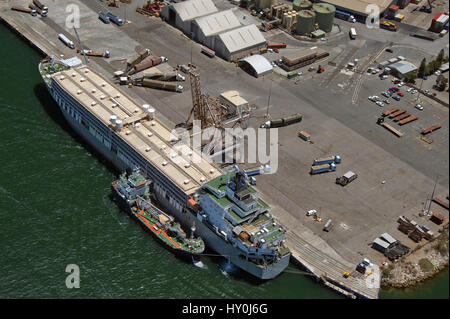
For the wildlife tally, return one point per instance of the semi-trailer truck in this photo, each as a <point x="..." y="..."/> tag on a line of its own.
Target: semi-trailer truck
<point x="327" y="160"/>
<point x="316" y="169"/>
<point x="114" y="18"/>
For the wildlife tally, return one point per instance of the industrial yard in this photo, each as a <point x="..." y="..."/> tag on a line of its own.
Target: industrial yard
<point x="397" y="175"/>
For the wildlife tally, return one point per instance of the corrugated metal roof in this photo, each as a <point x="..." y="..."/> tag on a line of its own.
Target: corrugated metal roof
<point x="403" y="67"/>
<point x="388" y="238"/>
<point x="188" y="10"/>
<point x="218" y="22"/>
<point x="381" y="243"/>
<point x="242" y="38"/>
<point x="259" y="63"/>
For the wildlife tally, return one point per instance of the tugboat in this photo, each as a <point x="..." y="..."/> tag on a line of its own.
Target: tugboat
<point x="133" y="193"/>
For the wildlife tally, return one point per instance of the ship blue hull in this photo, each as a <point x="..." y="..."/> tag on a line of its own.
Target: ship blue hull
<point x="187" y="219"/>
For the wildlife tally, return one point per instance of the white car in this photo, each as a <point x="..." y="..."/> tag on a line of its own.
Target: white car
<point x="419" y="107"/>
<point x="437" y="72"/>
<point x="379" y="103"/>
<point x="426" y="91"/>
<point x="400" y="85"/>
<point x="387" y="101"/>
<point x="311" y="212"/>
<point x="414" y="91"/>
<point x="409" y="89"/>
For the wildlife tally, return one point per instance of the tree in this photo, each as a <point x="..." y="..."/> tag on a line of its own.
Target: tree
<point x="422" y="68"/>
<point x="440" y="57"/>
<point x="432" y="67"/>
<point x="411" y="78"/>
<point x="441" y="82"/>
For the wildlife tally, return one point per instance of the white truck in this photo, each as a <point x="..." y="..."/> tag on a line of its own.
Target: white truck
<point x="352" y="33"/>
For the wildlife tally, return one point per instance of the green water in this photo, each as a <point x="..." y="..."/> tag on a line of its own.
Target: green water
<point x="55" y="210"/>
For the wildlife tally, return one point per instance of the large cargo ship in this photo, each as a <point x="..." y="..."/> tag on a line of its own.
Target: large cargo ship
<point x="226" y="212"/>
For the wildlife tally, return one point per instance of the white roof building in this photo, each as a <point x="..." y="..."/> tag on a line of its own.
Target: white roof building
<point x="206" y="28"/>
<point x="183" y="13"/>
<point x="256" y="64"/>
<point x="388" y="238"/>
<point x="402" y="68"/>
<point x="189" y="10"/>
<point x="237" y="43"/>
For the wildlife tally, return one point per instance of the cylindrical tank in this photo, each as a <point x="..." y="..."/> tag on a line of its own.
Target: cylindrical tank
<point x="283" y="20"/>
<point x="305" y="22"/>
<point x="324" y="15"/>
<point x="299" y="5"/>
<point x="288" y="21"/>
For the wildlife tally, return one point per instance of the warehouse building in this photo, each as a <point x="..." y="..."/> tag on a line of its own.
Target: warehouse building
<point x="182" y="14"/>
<point x="256" y="65"/>
<point x="238" y="43"/>
<point x="357" y="8"/>
<point x="402" y="68"/>
<point x="208" y="27"/>
<point x="380" y="245"/>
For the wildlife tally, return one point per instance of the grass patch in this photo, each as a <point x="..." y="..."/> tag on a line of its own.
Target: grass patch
<point x="426" y="265"/>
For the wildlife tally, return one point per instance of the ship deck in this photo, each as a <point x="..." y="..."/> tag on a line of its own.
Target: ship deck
<point x="148" y="137"/>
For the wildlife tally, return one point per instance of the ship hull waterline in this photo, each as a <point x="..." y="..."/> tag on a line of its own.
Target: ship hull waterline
<point x="211" y="239"/>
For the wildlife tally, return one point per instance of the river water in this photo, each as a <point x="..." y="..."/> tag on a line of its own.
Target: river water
<point x="56" y="210"/>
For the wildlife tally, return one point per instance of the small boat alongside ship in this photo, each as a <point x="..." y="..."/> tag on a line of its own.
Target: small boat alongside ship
<point x="133" y="195"/>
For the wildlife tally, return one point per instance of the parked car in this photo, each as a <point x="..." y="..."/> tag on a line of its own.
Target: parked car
<point x="426" y="91"/>
<point x="419" y="107"/>
<point x="379" y="103"/>
<point x="401" y="94"/>
<point x="387" y="101"/>
<point x="409" y="90"/>
<point x="396" y="97"/>
<point x="414" y="91"/>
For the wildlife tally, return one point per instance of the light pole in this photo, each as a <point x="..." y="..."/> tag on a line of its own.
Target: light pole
<point x="268" y="100"/>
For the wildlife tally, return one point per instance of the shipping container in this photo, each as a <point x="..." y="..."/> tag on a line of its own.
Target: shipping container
<point x="208" y="52"/>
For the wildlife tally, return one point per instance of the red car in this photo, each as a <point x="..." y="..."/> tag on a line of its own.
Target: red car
<point x="276" y="50"/>
<point x="401" y="94"/>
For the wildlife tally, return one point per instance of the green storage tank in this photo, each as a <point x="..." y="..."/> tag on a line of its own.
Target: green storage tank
<point x="299" y="5"/>
<point x="305" y="22"/>
<point x="324" y="15"/>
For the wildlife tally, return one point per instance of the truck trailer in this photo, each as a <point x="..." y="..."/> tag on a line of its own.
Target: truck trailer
<point x="327" y="160"/>
<point x="316" y="169"/>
